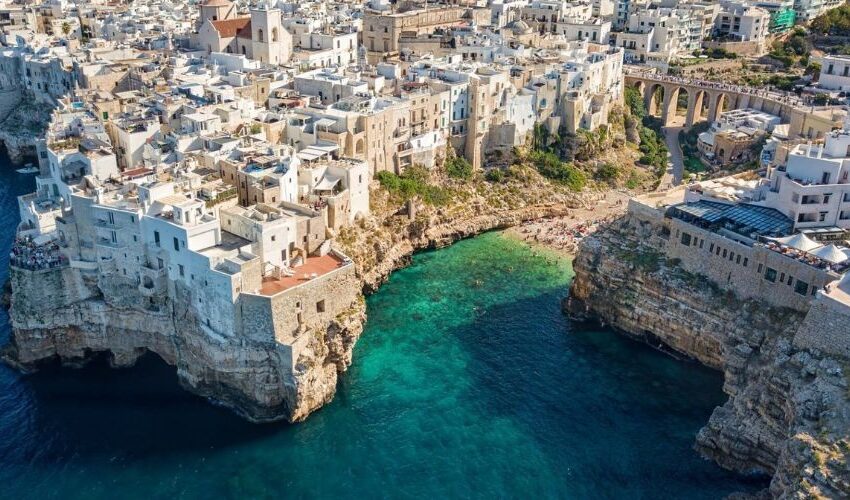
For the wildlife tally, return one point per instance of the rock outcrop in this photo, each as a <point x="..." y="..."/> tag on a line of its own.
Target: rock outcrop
<point x="61" y="314"/>
<point x="22" y="122"/>
<point x="788" y="412"/>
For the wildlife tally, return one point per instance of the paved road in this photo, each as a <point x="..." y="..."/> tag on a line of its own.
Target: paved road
<point x="676" y="163"/>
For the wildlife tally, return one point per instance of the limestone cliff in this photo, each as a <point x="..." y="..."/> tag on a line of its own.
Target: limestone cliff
<point x="61" y="314"/>
<point x="788" y="412"/>
<point x="22" y="122"/>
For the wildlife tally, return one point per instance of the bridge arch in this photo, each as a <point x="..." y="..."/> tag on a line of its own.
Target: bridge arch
<point x="719" y="103"/>
<point x="655" y="99"/>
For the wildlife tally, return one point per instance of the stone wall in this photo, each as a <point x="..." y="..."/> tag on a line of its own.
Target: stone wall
<point x="750" y="272"/>
<point x="826" y="328"/>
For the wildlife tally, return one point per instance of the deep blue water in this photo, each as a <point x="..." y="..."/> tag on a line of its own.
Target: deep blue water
<point x="468" y="382"/>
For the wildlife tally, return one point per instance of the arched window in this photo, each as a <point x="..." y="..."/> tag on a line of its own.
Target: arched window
<point x="243" y="50"/>
<point x="260" y="35"/>
<point x="274" y="34"/>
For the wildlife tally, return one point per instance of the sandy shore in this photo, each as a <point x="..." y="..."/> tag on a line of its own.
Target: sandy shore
<point x="563" y="234"/>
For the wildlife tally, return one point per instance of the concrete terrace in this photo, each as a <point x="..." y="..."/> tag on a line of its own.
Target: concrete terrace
<point x="314" y="267"/>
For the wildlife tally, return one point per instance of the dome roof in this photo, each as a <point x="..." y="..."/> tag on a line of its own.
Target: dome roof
<point x="520" y="27"/>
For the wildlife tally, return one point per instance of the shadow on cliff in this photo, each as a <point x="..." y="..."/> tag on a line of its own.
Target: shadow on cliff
<point x="618" y="400"/>
<point x="140" y="410"/>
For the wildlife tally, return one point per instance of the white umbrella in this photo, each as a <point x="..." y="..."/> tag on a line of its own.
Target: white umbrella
<point x="799" y="241"/>
<point x="830" y="253"/>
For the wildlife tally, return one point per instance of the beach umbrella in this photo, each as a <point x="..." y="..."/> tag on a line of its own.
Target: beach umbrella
<point x="799" y="241"/>
<point x="830" y="253"/>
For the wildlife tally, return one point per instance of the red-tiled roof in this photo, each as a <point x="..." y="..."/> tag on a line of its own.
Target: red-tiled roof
<point x="319" y="266"/>
<point x="231" y="27"/>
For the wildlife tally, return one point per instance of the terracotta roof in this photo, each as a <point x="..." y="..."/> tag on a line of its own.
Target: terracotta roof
<point x="231" y="27"/>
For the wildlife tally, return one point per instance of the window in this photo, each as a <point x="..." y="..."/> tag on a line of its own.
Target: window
<point x="745" y="261"/>
<point x="782" y="278"/>
<point x="686" y="239"/>
<point x="790" y="280"/>
<point x="738" y="260"/>
<point x="760" y="268"/>
<point x="822" y="216"/>
<point x="176" y="244"/>
<point x="711" y="248"/>
<point x="770" y="274"/>
<point x="801" y="287"/>
<point x="180" y="267"/>
<point x="701" y="242"/>
<point x="724" y="253"/>
<point x="156" y="238"/>
<point x="320" y="306"/>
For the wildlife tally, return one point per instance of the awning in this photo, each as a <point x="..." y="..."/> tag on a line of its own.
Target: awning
<point x="327" y="184"/>
<point x="799" y="241"/>
<point x="830" y="253"/>
<point x="310" y="154"/>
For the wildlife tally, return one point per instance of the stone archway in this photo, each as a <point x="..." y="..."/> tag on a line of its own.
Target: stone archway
<point x="640" y="86"/>
<point x="697" y="107"/>
<point x="720" y="102"/>
<point x="655" y="99"/>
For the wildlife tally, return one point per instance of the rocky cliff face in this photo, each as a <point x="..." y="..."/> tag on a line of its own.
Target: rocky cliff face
<point x="384" y="247"/>
<point x="22" y="122"/>
<point x="788" y="412"/>
<point x="56" y="314"/>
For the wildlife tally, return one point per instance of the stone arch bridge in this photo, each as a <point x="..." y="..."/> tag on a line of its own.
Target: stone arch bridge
<point x="706" y="100"/>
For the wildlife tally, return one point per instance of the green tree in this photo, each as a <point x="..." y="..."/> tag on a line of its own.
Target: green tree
<point x="634" y="101"/>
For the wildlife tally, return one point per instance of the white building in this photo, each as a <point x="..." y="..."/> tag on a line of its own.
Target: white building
<point x="814" y="187"/>
<point x="835" y="73"/>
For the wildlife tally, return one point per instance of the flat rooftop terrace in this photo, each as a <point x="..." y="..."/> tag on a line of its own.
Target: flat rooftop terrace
<point x="313" y="268"/>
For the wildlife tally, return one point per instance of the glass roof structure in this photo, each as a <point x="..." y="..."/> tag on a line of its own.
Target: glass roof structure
<point x="748" y="220"/>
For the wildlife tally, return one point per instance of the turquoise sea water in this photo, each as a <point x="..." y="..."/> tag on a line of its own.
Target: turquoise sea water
<point x="468" y="382"/>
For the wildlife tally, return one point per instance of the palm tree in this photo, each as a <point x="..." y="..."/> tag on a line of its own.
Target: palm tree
<point x="66" y="28"/>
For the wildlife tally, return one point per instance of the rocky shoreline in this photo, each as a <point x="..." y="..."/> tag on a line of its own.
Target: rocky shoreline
<point x="231" y="372"/>
<point x="788" y="412"/>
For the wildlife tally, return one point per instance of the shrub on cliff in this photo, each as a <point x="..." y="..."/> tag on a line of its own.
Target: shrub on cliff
<point x="413" y="182"/>
<point x="458" y="168"/>
<point x="551" y="167"/>
<point x="495" y="175"/>
<point x="608" y="172"/>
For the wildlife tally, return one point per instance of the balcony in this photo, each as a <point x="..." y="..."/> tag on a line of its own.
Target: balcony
<point x="106" y="243"/>
<point x="107" y="225"/>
